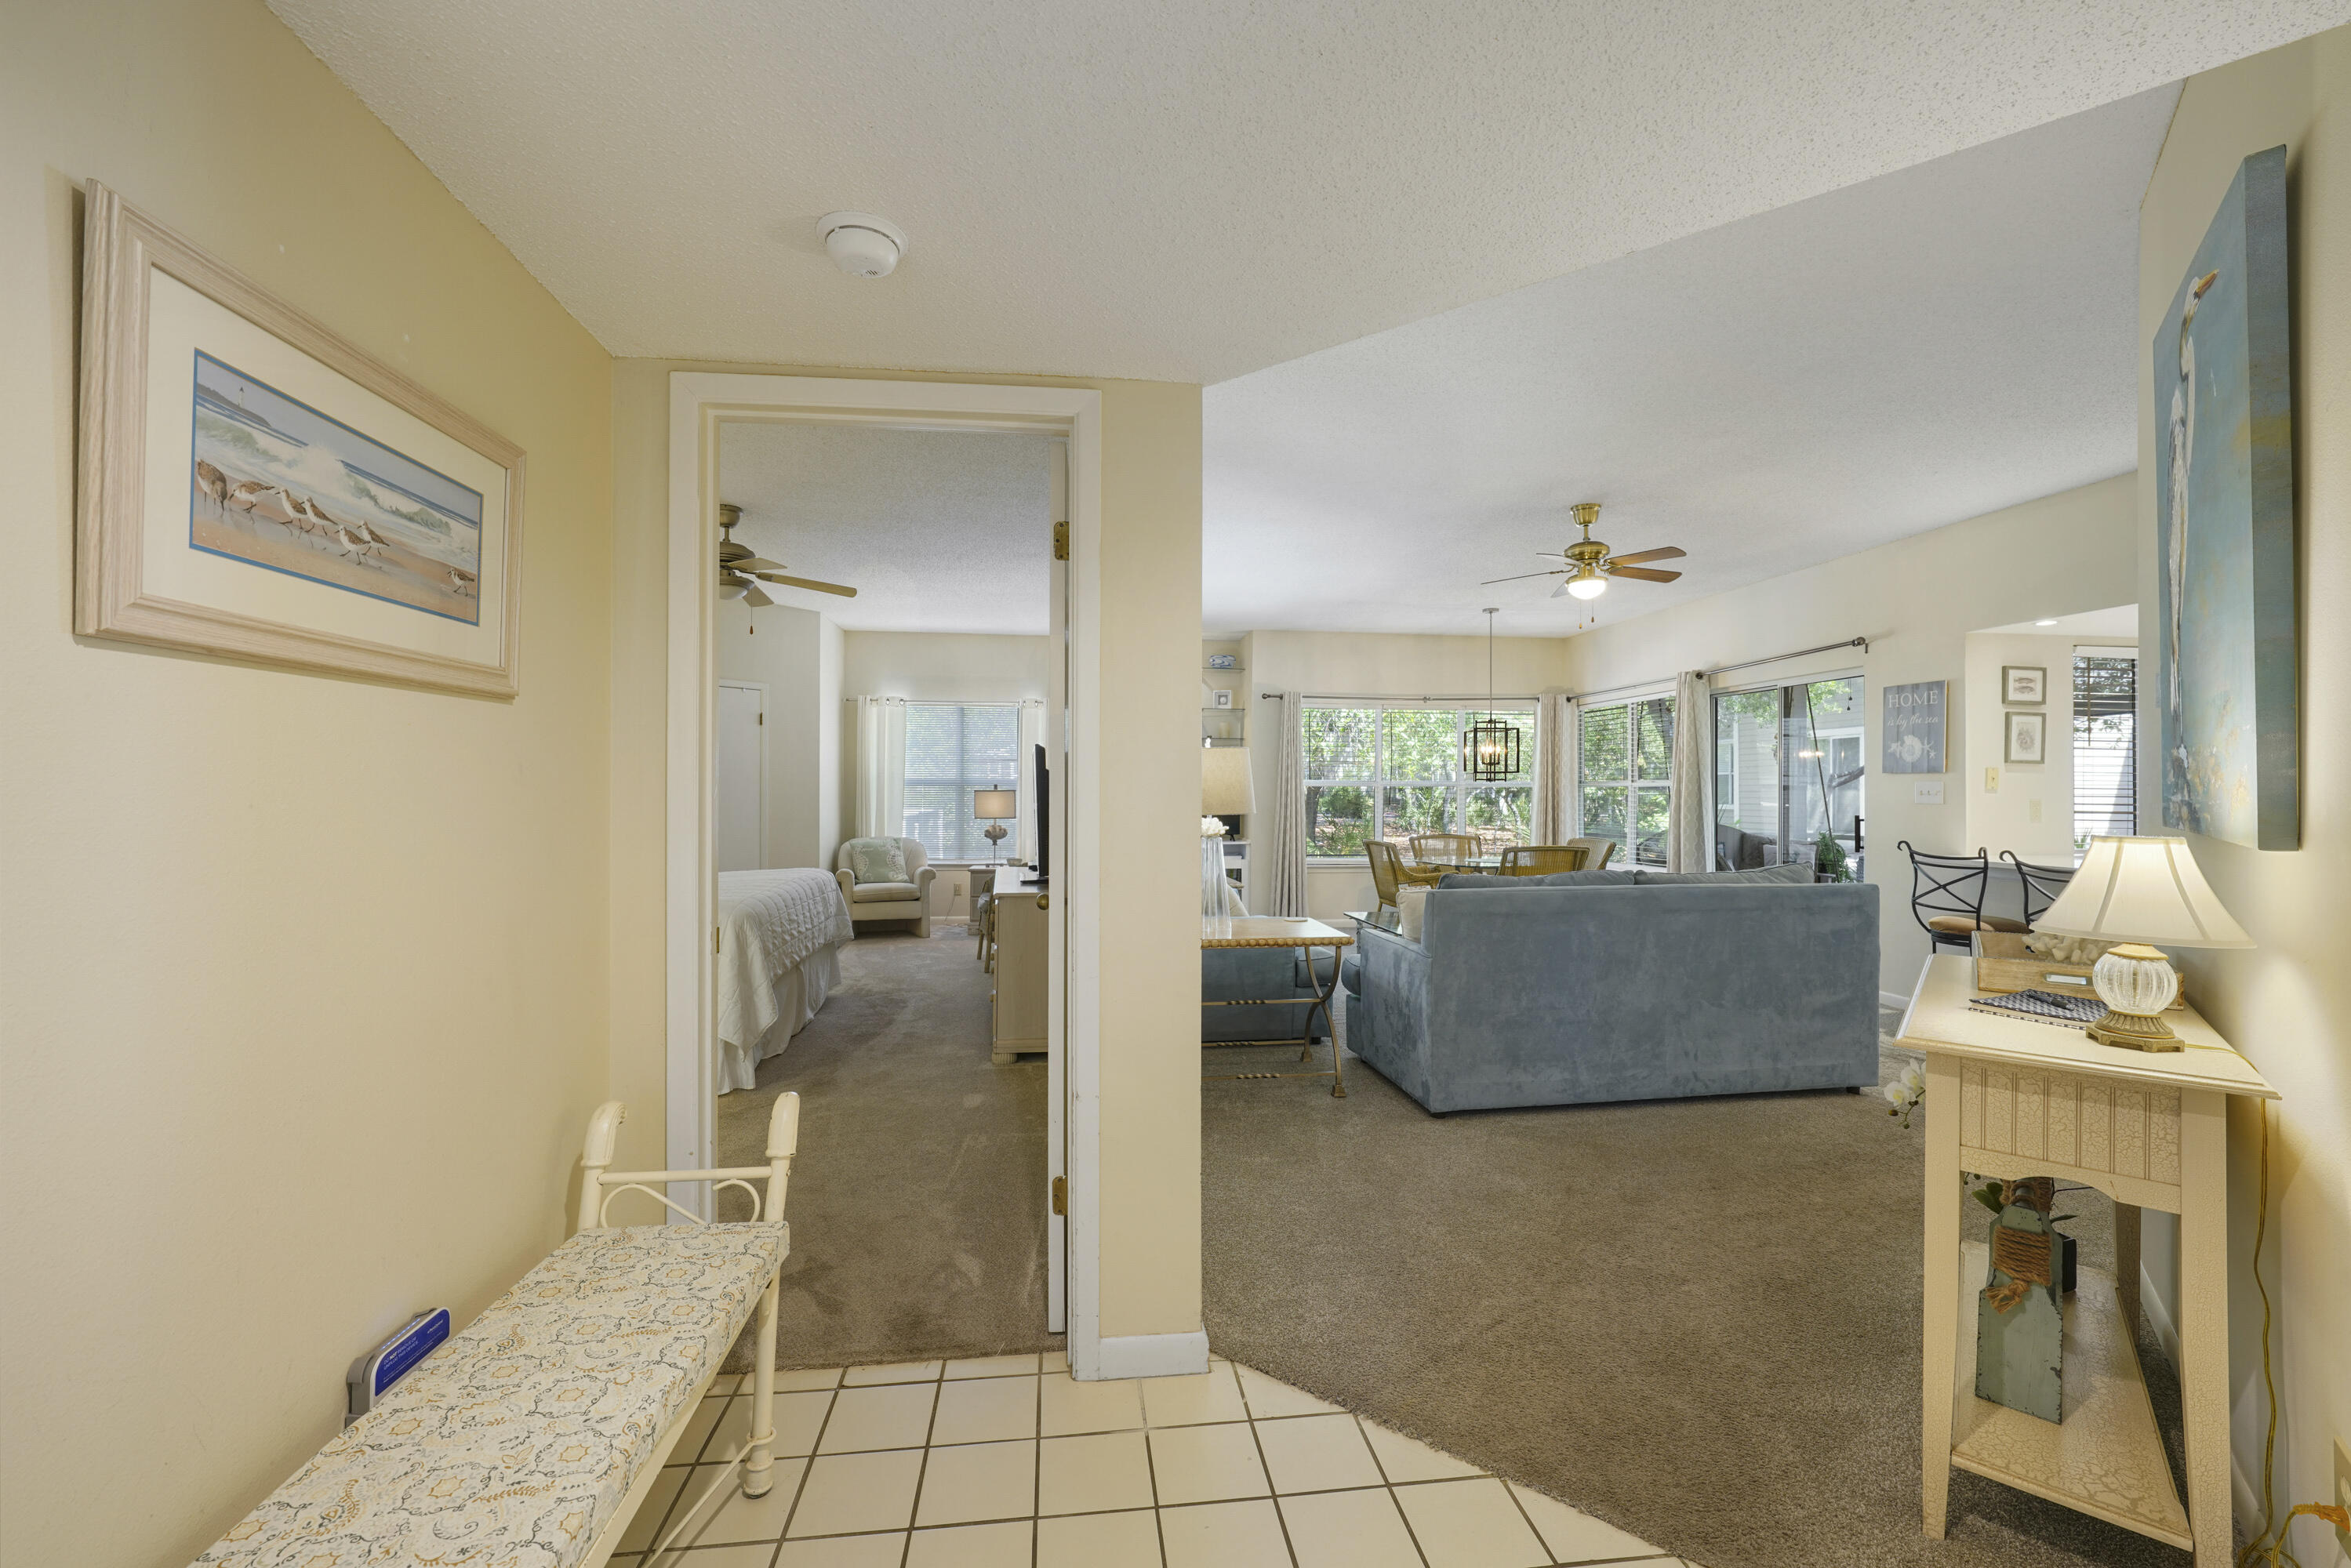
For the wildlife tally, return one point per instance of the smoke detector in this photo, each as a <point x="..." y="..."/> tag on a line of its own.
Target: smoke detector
<point x="862" y="244"/>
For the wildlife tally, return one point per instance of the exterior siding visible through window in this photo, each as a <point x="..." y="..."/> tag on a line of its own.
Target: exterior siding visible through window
<point x="1624" y="754"/>
<point x="952" y="750"/>
<point x="1393" y="770"/>
<point x="2105" y="746"/>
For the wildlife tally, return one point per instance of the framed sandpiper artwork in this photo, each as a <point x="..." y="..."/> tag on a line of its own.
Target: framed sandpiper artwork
<point x="256" y="488"/>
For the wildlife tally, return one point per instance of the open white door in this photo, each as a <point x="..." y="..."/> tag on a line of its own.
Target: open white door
<point x="1057" y="992"/>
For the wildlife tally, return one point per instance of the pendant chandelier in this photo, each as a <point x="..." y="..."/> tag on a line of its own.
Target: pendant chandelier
<point x="1490" y="747"/>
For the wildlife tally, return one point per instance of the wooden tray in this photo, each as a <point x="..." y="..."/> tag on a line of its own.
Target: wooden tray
<point x="2003" y="965"/>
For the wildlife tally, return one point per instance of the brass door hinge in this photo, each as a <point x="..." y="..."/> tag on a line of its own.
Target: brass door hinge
<point x="763" y="718"/>
<point x="1061" y="1194"/>
<point x="1060" y="541"/>
<point x="713" y="938"/>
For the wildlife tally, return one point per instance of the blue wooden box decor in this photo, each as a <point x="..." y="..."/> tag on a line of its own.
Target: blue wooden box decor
<point x="2019" y="1318"/>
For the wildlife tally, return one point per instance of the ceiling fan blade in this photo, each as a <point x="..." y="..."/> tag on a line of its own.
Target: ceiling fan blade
<point x="753" y="596"/>
<point x="754" y="563"/>
<point x="806" y="582"/>
<point x="1520" y="578"/>
<point x="1558" y="593"/>
<point x="1645" y="574"/>
<point x="1669" y="552"/>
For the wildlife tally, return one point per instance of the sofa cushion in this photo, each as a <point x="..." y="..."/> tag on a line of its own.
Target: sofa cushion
<point x="882" y="891"/>
<point x="1597" y="878"/>
<point x="875" y="860"/>
<point x="1792" y="873"/>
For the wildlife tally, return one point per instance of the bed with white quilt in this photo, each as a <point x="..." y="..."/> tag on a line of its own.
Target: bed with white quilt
<point x="779" y="937"/>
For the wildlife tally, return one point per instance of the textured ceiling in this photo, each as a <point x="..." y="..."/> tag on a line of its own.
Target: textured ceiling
<point x="1192" y="192"/>
<point x="936" y="531"/>
<point x="1927" y="347"/>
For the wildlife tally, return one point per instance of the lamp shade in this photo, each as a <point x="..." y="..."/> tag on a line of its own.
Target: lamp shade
<point x="995" y="805"/>
<point x="2142" y="890"/>
<point x="1226" y="787"/>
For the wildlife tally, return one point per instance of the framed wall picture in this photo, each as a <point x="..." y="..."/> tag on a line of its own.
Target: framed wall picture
<point x="1223" y="699"/>
<point x="2226" y="634"/>
<point x="2025" y="685"/>
<point x="2028" y="737"/>
<point x="1910" y="727"/>
<point x="254" y="486"/>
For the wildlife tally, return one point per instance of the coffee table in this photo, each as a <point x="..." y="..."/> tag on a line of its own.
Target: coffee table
<point x="1306" y="935"/>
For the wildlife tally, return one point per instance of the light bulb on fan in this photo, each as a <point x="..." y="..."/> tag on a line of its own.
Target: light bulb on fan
<point x="1591" y="587"/>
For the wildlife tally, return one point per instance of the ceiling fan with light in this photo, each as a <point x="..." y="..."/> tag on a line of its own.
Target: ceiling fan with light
<point x="1590" y="566"/>
<point x="738" y="566"/>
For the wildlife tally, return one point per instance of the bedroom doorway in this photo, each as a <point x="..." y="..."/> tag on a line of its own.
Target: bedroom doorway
<point x="711" y="754"/>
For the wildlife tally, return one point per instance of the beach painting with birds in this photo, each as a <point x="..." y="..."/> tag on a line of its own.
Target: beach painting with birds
<point x="277" y="483"/>
<point x="2227" y="649"/>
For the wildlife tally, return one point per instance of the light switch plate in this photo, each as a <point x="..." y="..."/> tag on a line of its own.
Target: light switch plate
<point x="1927" y="794"/>
<point x="2032" y="810"/>
<point x="2343" y="1491"/>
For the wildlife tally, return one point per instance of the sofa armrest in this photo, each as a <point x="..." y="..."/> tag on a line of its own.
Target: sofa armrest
<point x="848" y="880"/>
<point x="923" y="880"/>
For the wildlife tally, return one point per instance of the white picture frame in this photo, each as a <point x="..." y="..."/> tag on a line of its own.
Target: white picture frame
<point x="354" y="524"/>
<point x="2023" y="686"/>
<point x="2027" y="738"/>
<point x="1221" y="699"/>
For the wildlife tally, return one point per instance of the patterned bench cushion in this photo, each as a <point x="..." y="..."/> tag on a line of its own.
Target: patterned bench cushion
<point x="514" y="1443"/>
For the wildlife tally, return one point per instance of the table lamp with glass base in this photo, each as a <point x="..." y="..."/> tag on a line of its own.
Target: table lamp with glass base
<point x="994" y="807"/>
<point x="2137" y="892"/>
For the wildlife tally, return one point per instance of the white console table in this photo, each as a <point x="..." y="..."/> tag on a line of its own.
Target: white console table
<point x="2014" y="1097"/>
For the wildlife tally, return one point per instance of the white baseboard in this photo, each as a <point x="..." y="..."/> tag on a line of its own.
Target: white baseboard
<point x="1889" y="999"/>
<point x="1154" y="1354"/>
<point x="2151" y="1303"/>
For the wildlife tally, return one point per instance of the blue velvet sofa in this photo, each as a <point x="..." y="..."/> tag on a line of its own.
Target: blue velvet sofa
<point x="1606" y="985"/>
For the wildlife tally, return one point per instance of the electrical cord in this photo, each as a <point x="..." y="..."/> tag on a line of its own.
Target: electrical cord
<point x="2277" y="1551"/>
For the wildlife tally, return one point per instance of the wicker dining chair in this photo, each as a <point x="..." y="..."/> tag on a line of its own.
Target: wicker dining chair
<point x="1540" y="860"/>
<point x="1597" y="852"/>
<point x="1389" y="872"/>
<point x="1445" y="849"/>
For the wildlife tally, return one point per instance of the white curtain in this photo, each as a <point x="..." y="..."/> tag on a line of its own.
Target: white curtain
<point x="1555" y="769"/>
<point x="1281" y="873"/>
<point x="1689" y="822"/>
<point x="1032" y="735"/>
<point x="880" y="768"/>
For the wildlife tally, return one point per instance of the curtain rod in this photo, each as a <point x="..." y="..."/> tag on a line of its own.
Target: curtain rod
<point x="1473" y="699"/>
<point x="1860" y="643"/>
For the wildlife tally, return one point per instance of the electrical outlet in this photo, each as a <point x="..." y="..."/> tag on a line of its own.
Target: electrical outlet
<point x="2032" y="810"/>
<point x="2343" y="1491"/>
<point x="1991" y="780"/>
<point x="1927" y="794"/>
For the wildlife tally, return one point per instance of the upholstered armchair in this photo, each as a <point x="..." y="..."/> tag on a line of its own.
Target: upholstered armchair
<point x="871" y="902"/>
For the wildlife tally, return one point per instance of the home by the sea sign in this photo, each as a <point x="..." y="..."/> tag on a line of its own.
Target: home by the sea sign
<point x="1910" y="728"/>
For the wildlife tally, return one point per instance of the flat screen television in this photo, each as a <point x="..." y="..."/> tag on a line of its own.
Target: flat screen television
<point x="1044" y="817"/>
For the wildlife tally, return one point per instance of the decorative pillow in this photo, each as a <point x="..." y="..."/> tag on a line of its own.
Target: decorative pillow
<point x="877" y="860"/>
<point x="1412" y="908"/>
<point x="1794" y="871"/>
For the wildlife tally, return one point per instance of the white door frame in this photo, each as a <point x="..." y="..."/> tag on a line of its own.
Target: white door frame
<point x="760" y="688"/>
<point x="700" y="403"/>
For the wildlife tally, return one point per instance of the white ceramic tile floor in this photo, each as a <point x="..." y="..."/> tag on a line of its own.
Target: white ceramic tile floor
<point x="1007" y="1462"/>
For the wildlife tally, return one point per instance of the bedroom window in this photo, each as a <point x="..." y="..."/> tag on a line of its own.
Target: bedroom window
<point x="1624" y="753"/>
<point x="952" y="750"/>
<point x="1390" y="770"/>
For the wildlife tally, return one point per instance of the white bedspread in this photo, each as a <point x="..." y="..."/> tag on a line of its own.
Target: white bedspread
<point x="769" y="923"/>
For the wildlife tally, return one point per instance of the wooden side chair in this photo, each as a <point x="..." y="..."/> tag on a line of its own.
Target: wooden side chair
<point x="2042" y="883"/>
<point x="1389" y="872"/>
<point x="1445" y="849"/>
<point x="1947" y="895"/>
<point x="1540" y="860"/>
<point x="1597" y="852"/>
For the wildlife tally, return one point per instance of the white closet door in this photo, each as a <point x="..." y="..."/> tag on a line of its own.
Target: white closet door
<point x="738" y="835"/>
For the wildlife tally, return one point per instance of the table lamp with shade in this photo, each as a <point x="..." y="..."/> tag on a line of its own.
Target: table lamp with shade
<point x="995" y="807"/>
<point x="1227" y="790"/>
<point x="2140" y="892"/>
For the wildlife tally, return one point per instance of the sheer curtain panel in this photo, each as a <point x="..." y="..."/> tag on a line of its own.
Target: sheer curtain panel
<point x="880" y="768"/>
<point x="1555" y="769"/>
<point x="1283" y="889"/>
<point x="1690" y="824"/>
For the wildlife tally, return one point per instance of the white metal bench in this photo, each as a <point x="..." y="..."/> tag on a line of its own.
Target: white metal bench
<point x="529" y="1440"/>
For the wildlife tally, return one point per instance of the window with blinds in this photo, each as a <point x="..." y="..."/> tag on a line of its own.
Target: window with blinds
<point x="1624" y="771"/>
<point x="953" y="749"/>
<point x="2105" y="746"/>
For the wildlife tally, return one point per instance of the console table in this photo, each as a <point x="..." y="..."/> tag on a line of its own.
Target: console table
<point x="1277" y="931"/>
<point x="2014" y="1097"/>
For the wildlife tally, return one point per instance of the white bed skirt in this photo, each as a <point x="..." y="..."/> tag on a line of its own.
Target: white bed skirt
<point x="799" y="992"/>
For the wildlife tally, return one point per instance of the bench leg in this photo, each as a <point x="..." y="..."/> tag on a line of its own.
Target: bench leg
<point x="759" y="1461"/>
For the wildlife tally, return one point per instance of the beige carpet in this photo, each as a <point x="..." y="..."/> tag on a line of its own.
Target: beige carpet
<point x="1696" y="1319"/>
<point x="917" y="1199"/>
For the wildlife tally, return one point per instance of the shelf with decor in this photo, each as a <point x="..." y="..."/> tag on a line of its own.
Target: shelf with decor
<point x="1228" y="725"/>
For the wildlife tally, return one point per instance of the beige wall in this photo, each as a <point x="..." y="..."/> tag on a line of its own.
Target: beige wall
<point x="1916" y="600"/>
<point x="2286" y="1003"/>
<point x="305" y="1010"/>
<point x="945" y="667"/>
<point x="1150" y="574"/>
<point x="1365" y="664"/>
<point x="795" y="654"/>
<point x="2005" y="818"/>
